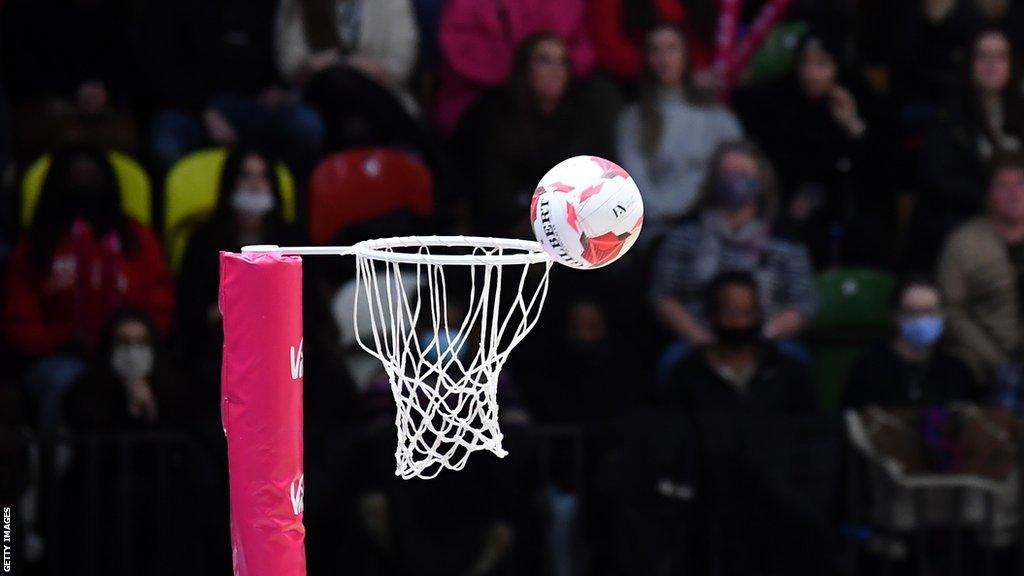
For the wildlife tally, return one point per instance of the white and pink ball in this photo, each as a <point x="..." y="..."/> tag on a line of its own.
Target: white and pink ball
<point x="586" y="212"/>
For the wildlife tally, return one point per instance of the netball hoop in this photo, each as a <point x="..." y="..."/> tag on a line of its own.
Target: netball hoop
<point x="445" y="312"/>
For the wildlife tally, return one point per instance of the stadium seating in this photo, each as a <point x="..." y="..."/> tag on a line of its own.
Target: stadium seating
<point x="136" y="193"/>
<point x="357" y="185"/>
<point x="854" y="314"/>
<point x="190" y="195"/>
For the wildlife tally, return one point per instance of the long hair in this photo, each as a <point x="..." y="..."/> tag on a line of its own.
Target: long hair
<point x="59" y="205"/>
<point x="522" y="92"/>
<point x="973" y="105"/>
<point x="524" y="121"/>
<point x="652" y="117"/>
<point x="98" y="399"/>
<point x="222" y="221"/>
<point x="769" y="199"/>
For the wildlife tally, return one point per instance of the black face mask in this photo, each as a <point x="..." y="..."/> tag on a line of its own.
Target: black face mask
<point x="739" y="337"/>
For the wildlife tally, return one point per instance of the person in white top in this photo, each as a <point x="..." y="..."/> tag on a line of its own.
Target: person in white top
<point x="378" y="38"/>
<point x="353" y="59"/>
<point x="666" y="139"/>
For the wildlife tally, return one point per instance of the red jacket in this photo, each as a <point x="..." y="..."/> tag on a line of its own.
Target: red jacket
<point x="88" y="280"/>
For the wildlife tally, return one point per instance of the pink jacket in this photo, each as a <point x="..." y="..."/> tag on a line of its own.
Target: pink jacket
<point x="478" y="41"/>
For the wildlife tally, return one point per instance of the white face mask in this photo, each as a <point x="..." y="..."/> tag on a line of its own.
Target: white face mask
<point x="132" y="361"/>
<point x="252" y="201"/>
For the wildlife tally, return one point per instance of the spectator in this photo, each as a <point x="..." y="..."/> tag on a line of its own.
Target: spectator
<point x="512" y="137"/>
<point x="68" y="67"/>
<point x="911" y="369"/>
<point x="80" y="260"/>
<point x="744" y="402"/>
<point x="620" y="30"/>
<point x="378" y="39"/>
<point x="980" y="273"/>
<point x="353" y="59"/>
<point x="248" y="211"/>
<point x="986" y="119"/>
<point x="129" y="384"/>
<point x="214" y="83"/>
<point x="822" y="139"/>
<point x="733" y="232"/>
<point x="480" y="40"/>
<point x="666" y="140"/>
<point x="927" y="42"/>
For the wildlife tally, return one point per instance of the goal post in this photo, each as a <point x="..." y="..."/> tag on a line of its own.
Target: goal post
<point x="261" y="410"/>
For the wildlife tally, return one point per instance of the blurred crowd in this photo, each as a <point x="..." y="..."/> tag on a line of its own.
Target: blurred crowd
<point x="834" y="196"/>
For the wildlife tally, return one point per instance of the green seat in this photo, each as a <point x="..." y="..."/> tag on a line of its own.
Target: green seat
<point x="190" y="196"/>
<point x="854" y="314"/>
<point x="777" y="56"/>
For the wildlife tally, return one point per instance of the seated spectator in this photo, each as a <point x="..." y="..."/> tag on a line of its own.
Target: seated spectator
<point x="733" y="232"/>
<point x="980" y="273"/>
<point x="68" y="67"/>
<point x="214" y="83"/>
<point x="479" y="42"/>
<point x="80" y="260"/>
<point x="248" y="211"/>
<point x="911" y="369"/>
<point x="745" y="402"/>
<point x="820" y="134"/>
<point x="986" y="119"/>
<point x="734" y="368"/>
<point x="129" y="384"/>
<point x="927" y="42"/>
<point x="513" y="136"/>
<point x="353" y="60"/>
<point x="620" y="32"/>
<point x="666" y="140"/>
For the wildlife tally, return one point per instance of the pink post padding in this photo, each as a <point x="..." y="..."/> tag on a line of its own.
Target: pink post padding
<point x="261" y="408"/>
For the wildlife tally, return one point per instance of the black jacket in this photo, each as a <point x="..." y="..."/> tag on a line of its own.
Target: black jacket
<point x="881" y="377"/>
<point x="764" y="461"/>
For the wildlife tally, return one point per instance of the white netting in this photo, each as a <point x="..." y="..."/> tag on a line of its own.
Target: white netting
<point x="443" y="351"/>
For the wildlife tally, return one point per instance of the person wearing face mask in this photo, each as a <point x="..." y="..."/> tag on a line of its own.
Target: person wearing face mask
<point x="981" y="274"/>
<point x="745" y="403"/>
<point x="666" y="140"/>
<point x="128" y="385"/>
<point x="79" y="261"/>
<point x="248" y="211"/>
<point x="733" y="231"/>
<point x="910" y="370"/>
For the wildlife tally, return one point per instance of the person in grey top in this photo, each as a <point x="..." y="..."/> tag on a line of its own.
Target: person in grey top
<point x="665" y="140"/>
<point x="733" y="231"/>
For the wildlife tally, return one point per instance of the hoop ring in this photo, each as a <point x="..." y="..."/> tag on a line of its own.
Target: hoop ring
<point x="528" y="251"/>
